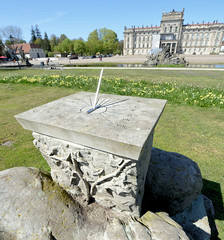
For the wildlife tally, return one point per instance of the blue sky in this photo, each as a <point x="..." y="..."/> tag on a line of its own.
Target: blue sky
<point x="77" y="18"/>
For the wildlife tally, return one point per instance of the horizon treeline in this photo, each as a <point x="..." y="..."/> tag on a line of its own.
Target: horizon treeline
<point x="100" y="41"/>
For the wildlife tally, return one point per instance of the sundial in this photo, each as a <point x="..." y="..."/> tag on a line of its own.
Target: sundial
<point x="120" y="125"/>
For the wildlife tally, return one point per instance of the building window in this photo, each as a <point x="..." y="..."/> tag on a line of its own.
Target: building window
<point x="165" y="29"/>
<point x="176" y="29"/>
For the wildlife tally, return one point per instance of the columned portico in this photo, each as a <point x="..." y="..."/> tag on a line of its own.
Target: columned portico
<point x="171" y="44"/>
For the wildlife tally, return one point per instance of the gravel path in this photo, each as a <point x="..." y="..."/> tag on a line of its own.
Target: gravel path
<point x="139" y="59"/>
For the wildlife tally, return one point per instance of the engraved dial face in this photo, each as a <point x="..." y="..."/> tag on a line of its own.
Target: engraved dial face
<point x="109" y="110"/>
<point x="121" y="114"/>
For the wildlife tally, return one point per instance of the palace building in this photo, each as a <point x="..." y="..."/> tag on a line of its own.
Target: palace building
<point x="200" y="38"/>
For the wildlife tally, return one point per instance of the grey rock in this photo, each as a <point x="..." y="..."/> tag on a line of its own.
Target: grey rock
<point x="173" y="182"/>
<point x="35" y="207"/>
<point x="194" y="220"/>
<point x="7" y="143"/>
<point x="161" y="226"/>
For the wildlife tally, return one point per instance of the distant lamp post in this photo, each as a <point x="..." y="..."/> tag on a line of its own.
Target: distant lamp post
<point x="11" y="38"/>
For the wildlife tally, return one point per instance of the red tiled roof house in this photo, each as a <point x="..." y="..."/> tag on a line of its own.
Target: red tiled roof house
<point x="30" y="50"/>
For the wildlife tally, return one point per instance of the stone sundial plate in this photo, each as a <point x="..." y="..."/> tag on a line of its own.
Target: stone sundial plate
<point x="122" y="125"/>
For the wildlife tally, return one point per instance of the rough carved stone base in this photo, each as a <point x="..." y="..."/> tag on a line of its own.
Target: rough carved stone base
<point x="113" y="181"/>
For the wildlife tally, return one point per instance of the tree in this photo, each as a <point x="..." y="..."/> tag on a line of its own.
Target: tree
<point x="120" y="47"/>
<point x="93" y="43"/>
<point x="33" y="35"/>
<point x="39" y="42"/>
<point x="54" y="40"/>
<point x="62" y="38"/>
<point x="65" y="47"/>
<point x="14" y="31"/>
<point x="79" y="46"/>
<point x="46" y="43"/>
<point x="103" y="41"/>
<point x="8" y="42"/>
<point x="1" y="47"/>
<point x="109" y="39"/>
<point x="37" y="32"/>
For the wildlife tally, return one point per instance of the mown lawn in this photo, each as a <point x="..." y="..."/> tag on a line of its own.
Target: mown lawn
<point x="191" y="130"/>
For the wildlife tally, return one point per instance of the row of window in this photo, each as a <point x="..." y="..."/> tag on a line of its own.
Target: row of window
<point x="190" y="44"/>
<point x="186" y="35"/>
<point x="200" y="36"/>
<point x="142" y="45"/>
<point x="201" y="30"/>
<point x="199" y="50"/>
<point x="171" y="29"/>
<point x="184" y="44"/>
<point x="198" y="39"/>
<point x="141" y="39"/>
<point x="202" y="42"/>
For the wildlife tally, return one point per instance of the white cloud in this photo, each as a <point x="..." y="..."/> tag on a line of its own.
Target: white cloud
<point x="60" y="14"/>
<point x="51" y="19"/>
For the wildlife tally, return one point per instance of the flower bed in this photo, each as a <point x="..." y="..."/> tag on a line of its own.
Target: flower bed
<point x="184" y="94"/>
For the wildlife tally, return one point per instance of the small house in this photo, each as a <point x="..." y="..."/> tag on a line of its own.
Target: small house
<point x="30" y="50"/>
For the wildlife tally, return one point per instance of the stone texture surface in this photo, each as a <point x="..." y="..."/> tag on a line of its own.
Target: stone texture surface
<point x="194" y="220"/>
<point x="34" y="207"/>
<point x="162" y="226"/>
<point x="173" y="182"/>
<point x="165" y="57"/>
<point x="113" y="181"/>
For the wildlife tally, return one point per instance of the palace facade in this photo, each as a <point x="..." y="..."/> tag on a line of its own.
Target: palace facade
<point x="200" y="38"/>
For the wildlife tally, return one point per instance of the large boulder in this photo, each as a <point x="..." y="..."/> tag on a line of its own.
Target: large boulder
<point x="173" y="182"/>
<point x="35" y="207"/>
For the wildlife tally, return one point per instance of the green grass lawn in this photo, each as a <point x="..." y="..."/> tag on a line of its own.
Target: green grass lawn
<point x="193" y="131"/>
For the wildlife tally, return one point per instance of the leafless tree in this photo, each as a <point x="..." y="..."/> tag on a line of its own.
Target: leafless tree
<point x="14" y="31"/>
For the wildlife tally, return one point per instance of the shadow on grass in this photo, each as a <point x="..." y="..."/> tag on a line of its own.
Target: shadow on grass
<point x="7" y="69"/>
<point x="212" y="190"/>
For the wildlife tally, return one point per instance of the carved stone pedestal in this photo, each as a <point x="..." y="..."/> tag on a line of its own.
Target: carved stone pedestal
<point x="105" y="154"/>
<point x="113" y="181"/>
